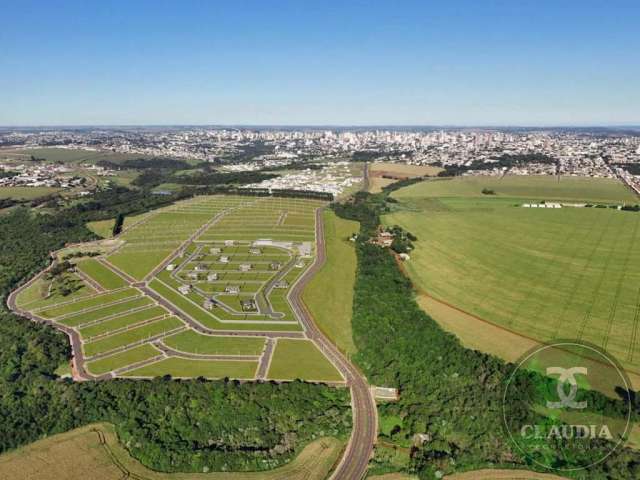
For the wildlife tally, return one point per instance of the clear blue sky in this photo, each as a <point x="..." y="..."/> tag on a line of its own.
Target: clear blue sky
<point x="477" y="62"/>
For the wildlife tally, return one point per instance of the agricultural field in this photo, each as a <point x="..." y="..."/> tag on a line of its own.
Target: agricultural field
<point x="65" y="155"/>
<point x="94" y="452"/>
<point x="540" y="273"/>
<point x="194" y="289"/>
<point x="382" y="174"/>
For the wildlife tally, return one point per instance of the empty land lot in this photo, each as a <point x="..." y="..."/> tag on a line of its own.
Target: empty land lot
<point x="544" y="273"/>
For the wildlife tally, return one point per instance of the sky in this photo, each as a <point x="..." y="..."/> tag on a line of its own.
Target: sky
<point x="307" y="62"/>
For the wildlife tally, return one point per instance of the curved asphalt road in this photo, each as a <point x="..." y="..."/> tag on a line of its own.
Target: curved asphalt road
<point x="353" y="465"/>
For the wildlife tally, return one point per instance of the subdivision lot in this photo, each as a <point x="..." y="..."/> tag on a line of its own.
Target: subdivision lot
<point x="189" y="368"/>
<point x="80" y="454"/>
<point x="82" y="318"/>
<point x="98" y="272"/>
<point x="194" y="342"/>
<point x="88" y="303"/>
<point x="123" y="359"/>
<point x="544" y="273"/>
<point x="126" y="320"/>
<point x="133" y="335"/>
<point x="301" y="359"/>
<point x="39" y="295"/>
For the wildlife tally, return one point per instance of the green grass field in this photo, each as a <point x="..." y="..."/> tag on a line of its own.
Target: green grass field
<point x="131" y="336"/>
<point x="37" y="294"/>
<point x="194" y="342"/>
<point x="119" y="360"/>
<point x="301" y="359"/>
<point x="86" y="303"/>
<point x="329" y="295"/>
<point x="102" y="228"/>
<point x="101" y="274"/>
<point x="183" y="367"/>
<point x="26" y="193"/>
<point x="122" y="321"/>
<point x="522" y="187"/>
<point x="543" y="273"/>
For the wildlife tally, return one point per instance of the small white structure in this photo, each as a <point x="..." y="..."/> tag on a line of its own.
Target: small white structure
<point x="201" y="267"/>
<point x="193" y="275"/>
<point x="404" y="256"/>
<point x="255" y="251"/>
<point x="212" y="277"/>
<point x="300" y="264"/>
<point x="232" y="289"/>
<point x="208" y="304"/>
<point x="224" y="259"/>
<point x="245" y="267"/>
<point x="275" y="266"/>
<point x="170" y="268"/>
<point x="184" y="289"/>
<point x="215" y="250"/>
<point x="229" y="243"/>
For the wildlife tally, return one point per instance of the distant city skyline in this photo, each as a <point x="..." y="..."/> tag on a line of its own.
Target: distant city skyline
<point x="328" y="64"/>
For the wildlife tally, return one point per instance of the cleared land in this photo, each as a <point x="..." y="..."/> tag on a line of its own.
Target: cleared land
<point x="301" y="359"/>
<point x="382" y="174"/>
<point x="224" y="262"/>
<point x="329" y="295"/>
<point x="542" y="273"/>
<point x="94" y="452"/>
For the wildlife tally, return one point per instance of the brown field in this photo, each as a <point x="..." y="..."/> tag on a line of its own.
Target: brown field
<point x="379" y="169"/>
<point x="93" y="452"/>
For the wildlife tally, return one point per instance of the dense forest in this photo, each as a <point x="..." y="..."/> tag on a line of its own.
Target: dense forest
<point x="167" y="424"/>
<point x="451" y="394"/>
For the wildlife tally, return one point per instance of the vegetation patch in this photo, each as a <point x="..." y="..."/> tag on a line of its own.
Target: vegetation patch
<point x="329" y="294"/>
<point x="301" y="359"/>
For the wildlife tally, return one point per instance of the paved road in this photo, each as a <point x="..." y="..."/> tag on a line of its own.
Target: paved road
<point x="265" y="359"/>
<point x="355" y="460"/>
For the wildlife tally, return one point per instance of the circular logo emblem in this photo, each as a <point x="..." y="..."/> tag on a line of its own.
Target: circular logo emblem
<point x="566" y="405"/>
